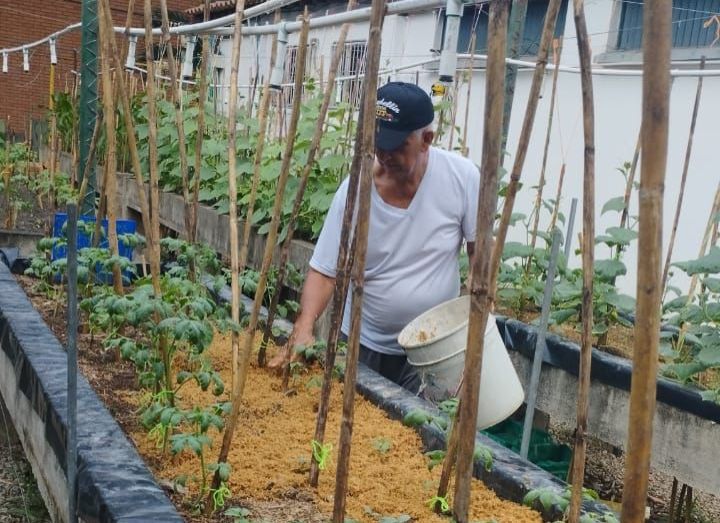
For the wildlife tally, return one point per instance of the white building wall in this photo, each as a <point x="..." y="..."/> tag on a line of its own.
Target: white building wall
<point x="408" y="39"/>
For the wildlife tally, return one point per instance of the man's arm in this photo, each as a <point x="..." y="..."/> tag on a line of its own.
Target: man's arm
<point x="316" y="294"/>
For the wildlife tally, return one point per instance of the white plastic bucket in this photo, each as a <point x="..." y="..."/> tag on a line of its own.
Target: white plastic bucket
<point x="435" y="345"/>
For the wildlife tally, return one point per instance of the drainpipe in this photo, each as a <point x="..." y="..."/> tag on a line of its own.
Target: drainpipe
<point x="448" y="57"/>
<point x="132" y="46"/>
<point x="187" y="70"/>
<point x="278" y="71"/>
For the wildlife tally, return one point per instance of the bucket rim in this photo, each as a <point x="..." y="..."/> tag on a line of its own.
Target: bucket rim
<point x="421" y="344"/>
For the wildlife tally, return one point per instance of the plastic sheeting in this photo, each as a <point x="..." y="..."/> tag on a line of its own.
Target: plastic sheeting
<point x="609" y="369"/>
<point x="114" y="485"/>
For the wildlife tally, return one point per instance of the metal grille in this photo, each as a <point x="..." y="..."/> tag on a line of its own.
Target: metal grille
<point x="688" y="17"/>
<point x="288" y="91"/>
<point x="352" y="63"/>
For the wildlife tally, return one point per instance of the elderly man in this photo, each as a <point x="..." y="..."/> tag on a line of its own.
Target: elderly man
<point x="424" y="204"/>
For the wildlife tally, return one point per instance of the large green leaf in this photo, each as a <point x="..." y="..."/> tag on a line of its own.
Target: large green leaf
<point x="614" y="204"/>
<point x="708" y="264"/>
<point x="621" y="302"/>
<point x="516" y="250"/>
<point x="608" y="270"/>
<point x="710" y="355"/>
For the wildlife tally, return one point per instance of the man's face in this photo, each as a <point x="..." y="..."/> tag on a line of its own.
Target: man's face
<point x="403" y="160"/>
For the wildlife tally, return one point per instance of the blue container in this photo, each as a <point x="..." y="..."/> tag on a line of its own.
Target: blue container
<point x="83" y="240"/>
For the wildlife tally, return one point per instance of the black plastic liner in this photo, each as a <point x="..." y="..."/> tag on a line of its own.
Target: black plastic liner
<point x="606" y="368"/>
<point x="114" y="485"/>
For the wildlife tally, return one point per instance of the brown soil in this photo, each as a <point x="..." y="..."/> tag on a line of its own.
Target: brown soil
<point x="619" y="339"/>
<point x="271" y="449"/>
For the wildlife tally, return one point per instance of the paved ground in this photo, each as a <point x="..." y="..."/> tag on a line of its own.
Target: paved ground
<point x="20" y="501"/>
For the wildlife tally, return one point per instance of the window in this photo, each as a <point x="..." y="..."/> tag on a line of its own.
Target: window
<point x="688" y="17"/>
<point x="215" y="91"/>
<point x="475" y="18"/>
<point x="352" y="63"/>
<point x="290" y="67"/>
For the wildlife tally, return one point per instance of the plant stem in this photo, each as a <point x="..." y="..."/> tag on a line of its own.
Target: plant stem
<point x="482" y="291"/>
<point x="656" y="100"/>
<point x="683" y="179"/>
<point x="465" y="148"/>
<point x="377" y="16"/>
<point x="304" y="177"/>
<point x="557" y="50"/>
<point x="588" y="261"/>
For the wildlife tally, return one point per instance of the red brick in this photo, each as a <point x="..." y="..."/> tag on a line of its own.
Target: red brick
<point x="25" y="95"/>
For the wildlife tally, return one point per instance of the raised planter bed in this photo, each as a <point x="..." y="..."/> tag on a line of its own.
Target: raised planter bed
<point x="114" y="483"/>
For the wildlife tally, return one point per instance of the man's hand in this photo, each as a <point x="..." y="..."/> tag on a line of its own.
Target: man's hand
<point x="300" y="337"/>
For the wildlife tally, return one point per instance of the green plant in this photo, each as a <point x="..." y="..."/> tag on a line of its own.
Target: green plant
<point x="439" y="502"/>
<point x="547" y="498"/>
<point x="238" y="514"/>
<point x="321" y="453"/>
<point x="382" y="445"/>
<point x="691" y="353"/>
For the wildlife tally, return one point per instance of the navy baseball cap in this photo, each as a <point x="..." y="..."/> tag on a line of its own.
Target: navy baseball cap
<point x="401" y="109"/>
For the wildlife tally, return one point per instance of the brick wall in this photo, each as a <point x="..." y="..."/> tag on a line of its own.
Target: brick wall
<point x="25" y="95"/>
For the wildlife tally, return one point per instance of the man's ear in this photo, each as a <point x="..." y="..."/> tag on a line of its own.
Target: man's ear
<point x="428" y="137"/>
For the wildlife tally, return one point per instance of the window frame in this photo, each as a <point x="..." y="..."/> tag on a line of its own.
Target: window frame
<point x="613" y="55"/>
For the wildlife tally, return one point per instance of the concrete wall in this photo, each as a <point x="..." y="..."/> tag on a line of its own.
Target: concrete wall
<point x="408" y="39"/>
<point x="682" y="442"/>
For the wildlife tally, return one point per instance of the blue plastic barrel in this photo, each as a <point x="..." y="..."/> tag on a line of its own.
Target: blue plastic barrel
<point x="83" y="240"/>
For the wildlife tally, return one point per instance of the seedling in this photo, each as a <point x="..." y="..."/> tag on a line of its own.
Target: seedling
<point x="439" y="502"/>
<point x="321" y="453"/>
<point x="382" y="445"/>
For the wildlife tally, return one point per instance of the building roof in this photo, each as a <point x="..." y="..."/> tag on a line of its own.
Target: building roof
<point x="219" y="5"/>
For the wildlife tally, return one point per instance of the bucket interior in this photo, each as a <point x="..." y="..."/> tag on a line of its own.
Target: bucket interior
<point x="436" y="323"/>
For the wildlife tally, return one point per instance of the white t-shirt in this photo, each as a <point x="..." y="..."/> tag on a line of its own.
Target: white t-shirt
<point x="412" y="256"/>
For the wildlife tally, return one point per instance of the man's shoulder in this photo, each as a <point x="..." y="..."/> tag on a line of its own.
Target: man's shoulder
<point x="455" y="164"/>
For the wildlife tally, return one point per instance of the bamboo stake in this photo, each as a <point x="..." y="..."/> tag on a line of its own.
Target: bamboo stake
<point x="91" y="156"/>
<point x="154" y="238"/>
<point x="304" y="177"/>
<point x="525" y="135"/>
<point x="465" y="148"/>
<point x="482" y="291"/>
<point x="656" y="101"/>
<point x="109" y="188"/>
<point x="367" y="154"/>
<point x="232" y="195"/>
<point x="342" y="283"/>
<point x="179" y="120"/>
<point x="683" y="179"/>
<point x="200" y="136"/>
<point x="129" y="125"/>
<point x="712" y="221"/>
<point x="588" y="261"/>
<point x="548" y="29"/>
<point x="557" y="50"/>
<point x="244" y="357"/>
<point x="263" y="123"/>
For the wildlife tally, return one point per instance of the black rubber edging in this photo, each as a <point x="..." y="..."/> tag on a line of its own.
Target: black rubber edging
<point x="114" y="484"/>
<point x="606" y="368"/>
<point x="510" y="476"/>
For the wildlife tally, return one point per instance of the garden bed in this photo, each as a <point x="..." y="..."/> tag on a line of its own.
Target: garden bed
<point x="271" y="451"/>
